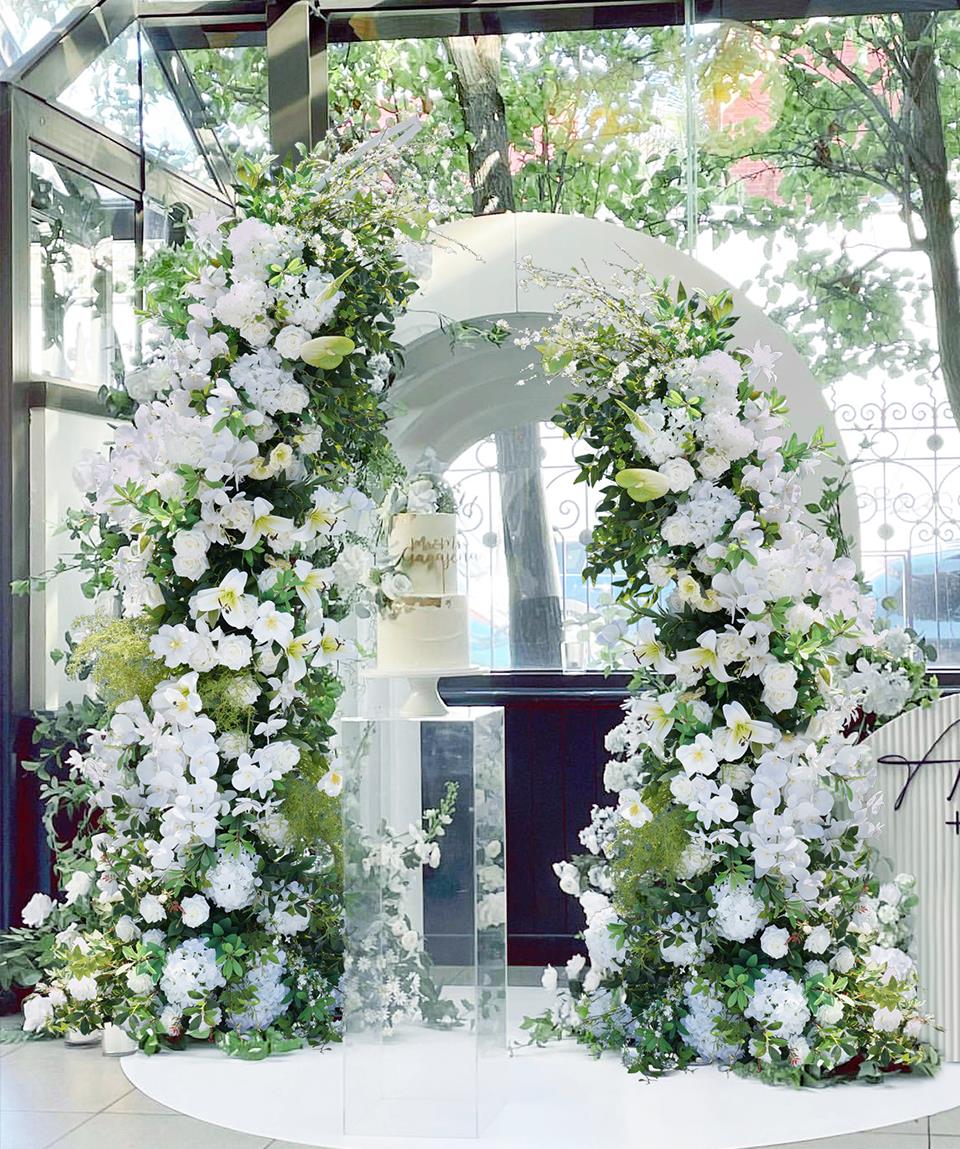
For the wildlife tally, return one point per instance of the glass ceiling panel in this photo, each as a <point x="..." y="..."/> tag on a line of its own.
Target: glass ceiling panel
<point x="166" y="134"/>
<point x="108" y="91"/>
<point x="24" y="23"/>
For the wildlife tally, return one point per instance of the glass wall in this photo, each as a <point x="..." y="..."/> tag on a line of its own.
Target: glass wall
<point x="827" y="158"/>
<point x="24" y="23"/>
<point x="810" y="162"/>
<point x="82" y="265"/>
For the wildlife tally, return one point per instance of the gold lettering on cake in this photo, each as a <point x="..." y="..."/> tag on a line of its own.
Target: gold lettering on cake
<point x="431" y="552"/>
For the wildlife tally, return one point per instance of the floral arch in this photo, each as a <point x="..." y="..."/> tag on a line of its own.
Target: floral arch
<point x="453" y="392"/>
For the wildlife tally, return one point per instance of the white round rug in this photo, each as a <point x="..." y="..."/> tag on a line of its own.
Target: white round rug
<point x="553" y="1098"/>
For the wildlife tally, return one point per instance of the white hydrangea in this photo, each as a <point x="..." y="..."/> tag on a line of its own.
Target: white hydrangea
<point x="699" y="1028"/>
<point x="265" y="978"/>
<point x="232" y="880"/>
<point x="190" y="968"/>
<point x="779" y="999"/>
<point x="737" y="913"/>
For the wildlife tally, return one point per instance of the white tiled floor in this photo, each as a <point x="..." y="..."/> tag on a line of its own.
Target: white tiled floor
<point x="55" y="1096"/>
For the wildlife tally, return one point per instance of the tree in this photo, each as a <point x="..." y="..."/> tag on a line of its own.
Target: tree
<point x="860" y="125"/>
<point x="536" y="623"/>
<point x="808" y="131"/>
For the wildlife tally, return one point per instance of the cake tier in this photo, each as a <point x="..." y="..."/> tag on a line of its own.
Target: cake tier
<point x="425" y="633"/>
<point x="427" y="548"/>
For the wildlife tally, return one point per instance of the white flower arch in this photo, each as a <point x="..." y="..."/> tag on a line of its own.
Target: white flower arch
<point x="450" y="395"/>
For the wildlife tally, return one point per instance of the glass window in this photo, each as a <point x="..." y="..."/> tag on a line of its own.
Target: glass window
<point x="232" y="83"/>
<point x="82" y="321"/>
<point x="810" y="141"/>
<point x="167" y="136"/>
<point x="815" y="197"/>
<point x="596" y="121"/>
<point x="59" y="441"/>
<point x="524" y="525"/>
<point x="108" y="91"/>
<point x="24" y="24"/>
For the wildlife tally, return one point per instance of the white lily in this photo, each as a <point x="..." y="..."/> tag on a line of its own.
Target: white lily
<point x="731" y="741"/>
<point x="264" y="523"/>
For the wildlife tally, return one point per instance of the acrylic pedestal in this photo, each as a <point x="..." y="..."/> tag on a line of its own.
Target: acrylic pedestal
<point x="424" y="1047"/>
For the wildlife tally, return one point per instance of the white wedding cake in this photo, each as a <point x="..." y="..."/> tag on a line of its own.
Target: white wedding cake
<point x="424" y="626"/>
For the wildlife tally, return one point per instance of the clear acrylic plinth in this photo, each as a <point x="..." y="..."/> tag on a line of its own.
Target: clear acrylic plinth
<point x="425" y="936"/>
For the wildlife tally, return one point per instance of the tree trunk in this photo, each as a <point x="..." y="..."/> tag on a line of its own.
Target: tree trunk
<point x="536" y="623"/>
<point x="928" y="158"/>
<point x="476" y="66"/>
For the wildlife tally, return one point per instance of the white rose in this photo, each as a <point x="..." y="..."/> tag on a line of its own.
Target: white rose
<point x="37" y="1013"/>
<point x="37" y="910"/>
<point x="126" y="928"/>
<point x="195" y="910"/>
<point x="843" y="960"/>
<point x="292" y="398"/>
<point x="779" y="682"/>
<point x="678" y="473"/>
<point x="818" y="940"/>
<point x="711" y="465"/>
<point x="887" y="1020"/>
<point x="549" y="978"/>
<point x="234" y="651"/>
<point x="139" y="983"/>
<point x="830" y="1014"/>
<point x="232" y="744"/>
<point x="151" y="908"/>
<point x="190" y="567"/>
<point x="79" y="885"/>
<point x="191" y="544"/>
<point x="257" y="332"/>
<point x="82" y="988"/>
<point x="395" y="585"/>
<point x="290" y="340"/>
<point x="410" y="941"/>
<point x="775" y="941"/>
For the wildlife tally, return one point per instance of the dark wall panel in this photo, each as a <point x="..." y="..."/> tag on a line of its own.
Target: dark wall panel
<point x="555" y="728"/>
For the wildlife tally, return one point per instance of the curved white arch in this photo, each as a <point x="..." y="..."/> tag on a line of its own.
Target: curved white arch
<point x="450" y="395"/>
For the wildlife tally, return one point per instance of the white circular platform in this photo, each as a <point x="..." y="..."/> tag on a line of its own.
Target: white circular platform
<point x="555" y="1098"/>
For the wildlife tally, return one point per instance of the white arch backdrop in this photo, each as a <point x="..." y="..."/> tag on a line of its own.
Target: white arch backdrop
<point x="450" y="396"/>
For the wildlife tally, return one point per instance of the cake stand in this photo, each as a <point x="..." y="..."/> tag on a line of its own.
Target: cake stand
<point x="424" y="700"/>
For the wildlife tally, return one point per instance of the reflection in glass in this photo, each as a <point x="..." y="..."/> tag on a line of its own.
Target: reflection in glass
<point x="82" y="321"/>
<point x="24" y="24"/>
<point x="167" y="136"/>
<point x="108" y="91"/>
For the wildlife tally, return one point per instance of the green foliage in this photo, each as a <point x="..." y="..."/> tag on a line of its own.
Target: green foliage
<point x="115" y="654"/>
<point x="312" y="815"/>
<point x="650" y="853"/>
